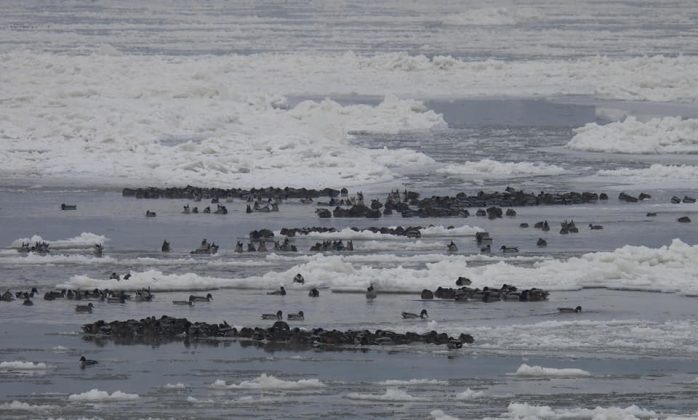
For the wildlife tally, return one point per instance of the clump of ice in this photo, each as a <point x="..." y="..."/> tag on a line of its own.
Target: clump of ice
<point x="539" y="371"/>
<point x="398" y="382"/>
<point x="84" y="240"/>
<point x="657" y="170"/>
<point x="20" y="365"/>
<point x="529" y="411"/>
<point x="469" y="394"/>
<point x="178" y="385"/>
<point x="265" y="381"/>
<point x="488" y="168"/>
<point x="391" y="394"/>
<point x="22" y="406"/>
<point x="657" y="135"/>
<point x="440" y="415"/>
<point x="97" y="395"/>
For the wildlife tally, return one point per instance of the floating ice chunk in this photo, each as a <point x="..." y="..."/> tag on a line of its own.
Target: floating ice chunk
<point x="97" y="395"/>
<point x="22" y="406"/>
<point x="265" y="381"/>
<point x="20" y="365"/>
<point x="488" y="168"/>
<point x="538" y="371"/>
<point x="391" y="394"/>
<point x="469" y="394"/>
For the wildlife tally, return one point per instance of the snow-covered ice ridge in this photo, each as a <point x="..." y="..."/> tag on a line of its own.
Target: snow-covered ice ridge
<point x="657" y="135"/>
<point x="223" y="120"/>
<point x="672" y="268"/>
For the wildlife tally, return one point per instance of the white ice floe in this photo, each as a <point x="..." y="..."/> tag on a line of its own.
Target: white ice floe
<point x="101" y="396"/>
<point x="20" y="365"/>
<point x="543" y="372"/>
<point x="84" y="240"/>
<point x="657" y="135"/>
<point x="22" y="406"/>
<point x="440" y="415"/>
<point x="390" y="395"/>
<point x="488" y="168"/>
<point x="672" y="268"/>
<point x="521" y="411"/>
<point x="399" y="382"/>
<point x="265" y="381"/>
<point x="686" y="172"/>
<point x="178" y="385"/>
<point x="469" y="394"/>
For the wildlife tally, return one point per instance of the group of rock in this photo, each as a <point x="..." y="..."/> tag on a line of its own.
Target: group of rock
<point x="168" y="328"/>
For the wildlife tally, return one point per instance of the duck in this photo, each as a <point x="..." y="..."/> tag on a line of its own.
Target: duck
<point x="299" y="279"/>
<point x="546" y="226"/>
<point x="28" y="302"/>
<point x="542" y="242"/>
<point x="651" y="214"/>
<point x="149" y="213"/>
<point x="250" y="247"/>
<point x="84" y="308"/>
<point x="454" y="344"/>
<point x="684" y="219"/>
<point x="595" y="227"/>
<point x="238" y="247"/>
<point x="410" y="315"/>
<point x="314" y="292"/>
<point x="370" y="292"/>
<point x="165" y="246"/>
<point x="296" y="317"/>
<point x="523" y="225"/>
<point x="186" y="210"/>
<point x="570" y="310"/>
<point x="183" y="302"/>
<point x="452" y="247"/>
<point x="86" y="362"/>
<point x="262" y="247"/>
<point x="278" y="316"/>
<point x="485" y="249"/>
<point x="505" y="248"/>
<point x="280" y="292"/>
<point x="206" y="298"/>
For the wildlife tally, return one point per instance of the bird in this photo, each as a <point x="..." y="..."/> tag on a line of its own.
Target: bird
<point x="280" y="292"/>
<point x="370" y="292"/>
<point x="505" y="248"/>
<point x="86" y="362"/>
<point x="314" y="292"/>
<point x="296" y="317"/>
<point x="452" y="247"/>
<point x="570" y="310"/>
<point x="486" y="248"/>
<point x="542" y="242"/>
<point x="595" y="227"/>
<point x="278" y="316"/>
<point x="207" y="298"/>
<point x="410" y="315"/>
<point x="84" y="308"/>
<point x="27" y="302"/>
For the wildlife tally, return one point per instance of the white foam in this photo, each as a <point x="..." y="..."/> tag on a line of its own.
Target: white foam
<point x="19" y="365"/>
<point x="390" y="395"/>
<point x="22" y="406"/>
<point x="265" y="381"/>
<point x="97" y="395"/>
<point x="488" y="168"/>
<point x="686" y="172"/>
<point x="469" y="394"/>
<point x="529" y="411"/>
<point x="84" y="240"/>
<point x="657" y="135"/>
<point x="538" y="371"/>
<point x="398" y="382"/>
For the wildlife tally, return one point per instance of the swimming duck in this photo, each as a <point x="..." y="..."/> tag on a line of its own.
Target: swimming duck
<point x="186" y="210"/>
<point x="165" y="246"/>
<point x="84" y="308"/>
<point x="542" y="242"/>
<point x="69" y="206"/>
<point x="278" y="316"/>
<point x="280" y="292"/>
<point x="149" y="213"/>
<point x="505" y="248"/>
<point x="570" y="310"/>
<point x="523" y="225"/>
<point x="684" y="219"/>
<point x="452" y="247"/>
<point x="546" y="226"/>
<point x="454" y="344"/>
<point x="238" y="247"/>
<point x="299" y="279"/>
<point x="370" y="292"/>
<point x="595" y="227"/>
<point x="206" y="298"/>
<point x="295" y="317"/>
<point x="314" y="292"/>
<point x="27" y="302"/>
<point x="207" y="210"/>
<point x="86" y="362"/>
<point x="651" y="214"/>
<point x="687" y="199"/>
<point x="410" y="315"/>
